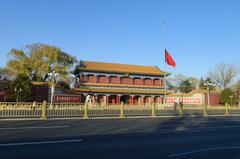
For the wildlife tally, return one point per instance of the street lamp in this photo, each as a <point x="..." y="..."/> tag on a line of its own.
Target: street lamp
<point x="208" y="84"/>
<point x="52" y="81"/>
<point x="18" y="90"/>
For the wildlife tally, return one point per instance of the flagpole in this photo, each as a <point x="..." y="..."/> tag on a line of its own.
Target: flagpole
<point x="165" y="66"/>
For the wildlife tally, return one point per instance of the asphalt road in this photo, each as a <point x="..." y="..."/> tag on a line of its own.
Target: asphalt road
<point x="213" y="137"/>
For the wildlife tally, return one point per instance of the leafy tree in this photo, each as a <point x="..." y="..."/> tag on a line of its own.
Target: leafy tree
<point x="20" y="89"/>
<point x="185" y="86"/>
<point x="225" y="96"/>
<point x="5" y="74"/>
<point x="36" y="60"/>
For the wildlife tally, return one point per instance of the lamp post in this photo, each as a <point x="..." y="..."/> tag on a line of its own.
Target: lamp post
<point x="52" y="81"/>
<point x="18" y="90"/>
<point x="208" y="84"/>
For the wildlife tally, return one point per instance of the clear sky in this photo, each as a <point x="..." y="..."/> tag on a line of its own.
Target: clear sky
<point x="200" y="33"/>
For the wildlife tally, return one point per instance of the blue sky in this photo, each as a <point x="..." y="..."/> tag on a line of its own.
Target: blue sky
<point x="200" y="33"/>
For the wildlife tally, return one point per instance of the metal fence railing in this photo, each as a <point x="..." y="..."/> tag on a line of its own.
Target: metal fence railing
<point x="44" y="110"/>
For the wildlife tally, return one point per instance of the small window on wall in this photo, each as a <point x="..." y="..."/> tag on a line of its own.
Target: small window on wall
<point x="148" y="81"/>
<point x="83" y="78"/>
<point x="114" y="79"/>
<point x="126" y="80"/>
<point x="103" y="79"/>
<point x="157" y="82"/>
<point x="91" y="78"/>
<point x="137" y="81"/>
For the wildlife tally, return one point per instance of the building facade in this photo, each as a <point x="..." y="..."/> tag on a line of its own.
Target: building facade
<point x="111" y="83"/>
<point x="4" y="88"/>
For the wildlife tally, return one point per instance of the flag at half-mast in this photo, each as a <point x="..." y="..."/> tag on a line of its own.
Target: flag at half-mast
<point x="169" y="60"/>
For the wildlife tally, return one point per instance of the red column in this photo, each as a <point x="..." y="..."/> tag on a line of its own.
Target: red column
<point x="131" y="100"/>
<point x="142" y="100"/>
<point x="94" y="99"/>
<point x="142" y="81"/>
<point x="118" y="99"/>
<point x="107" y="99"/>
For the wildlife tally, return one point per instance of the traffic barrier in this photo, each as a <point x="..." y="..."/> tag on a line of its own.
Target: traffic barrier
<point x="226" y="110"/>
<point x="205" y="113"/>
<point x="85" y="116"/>
<point x="43" y="111"/>
<point x="181" y="110"/>
<point x="153" y="110"/>
<point x="122" y="115"/>
<point x="44" y="116"/>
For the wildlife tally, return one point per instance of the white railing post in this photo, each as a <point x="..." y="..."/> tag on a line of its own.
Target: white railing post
<point x="153" y="110"/>
<point x="205" y="113"/>
<point x="85" y="111"/>
<point x="226" y="110"/>
<point x="44" y="116"/>
<point x="122" y="110"/>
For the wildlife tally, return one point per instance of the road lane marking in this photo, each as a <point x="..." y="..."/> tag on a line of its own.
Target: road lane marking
<point x="36" y="127"/>
<point x="201" y="150"/>
<point x="219" y="121"/>
<point x="40" y="142"/>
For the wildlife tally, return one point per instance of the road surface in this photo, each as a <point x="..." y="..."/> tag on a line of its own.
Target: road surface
<point x="170" y="138"/>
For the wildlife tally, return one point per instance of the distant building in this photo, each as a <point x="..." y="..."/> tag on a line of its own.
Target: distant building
<point x="111" y="83"/>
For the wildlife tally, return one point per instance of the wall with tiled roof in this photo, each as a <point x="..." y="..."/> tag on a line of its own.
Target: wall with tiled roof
<point x="122" y="68"/>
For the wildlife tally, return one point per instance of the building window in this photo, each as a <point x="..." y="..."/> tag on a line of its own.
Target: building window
<point x="157" y="82"/>
<point x="148" y="81"/>
<point x="103" y="79"/>
<point x="127" y="80"/>
<point x="137" y="81"/>
<point x="114" y="79"/>
<point x="91" y="78"/>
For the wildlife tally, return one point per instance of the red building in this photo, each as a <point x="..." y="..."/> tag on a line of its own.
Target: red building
<point x="111" y="83"/>
<point x="4" y="88"/>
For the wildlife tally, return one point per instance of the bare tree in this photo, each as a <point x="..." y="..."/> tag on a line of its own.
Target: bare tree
<point x="223" y="75"/>
<point x="176" y="80"/>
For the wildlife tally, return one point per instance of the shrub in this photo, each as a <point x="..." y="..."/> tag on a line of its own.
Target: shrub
<point x="225" y="96"/>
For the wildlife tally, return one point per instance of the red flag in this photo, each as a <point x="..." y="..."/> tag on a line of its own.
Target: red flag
<point x="168" y="59"/>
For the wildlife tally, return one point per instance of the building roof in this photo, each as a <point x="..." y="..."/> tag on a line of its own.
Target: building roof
<point x="122" y="68"/>
<point x="191" y="93"/>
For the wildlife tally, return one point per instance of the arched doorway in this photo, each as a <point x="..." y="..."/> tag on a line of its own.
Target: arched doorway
<point x="112" y="99"/>
<point x="137" y="100"/>
<point x="101" y="100"/>
<point x="147" y="100"/>
<point x="125" y="99"/>
<point x="156" y="100"/>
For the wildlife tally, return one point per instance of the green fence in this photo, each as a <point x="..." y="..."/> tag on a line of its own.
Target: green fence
<point x="13" y="110"/>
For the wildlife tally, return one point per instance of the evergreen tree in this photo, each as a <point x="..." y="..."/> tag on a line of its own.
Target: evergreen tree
<point x="185" y="86"/>
<point x="201" y="83"/>
<point x="226" y="95"/>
